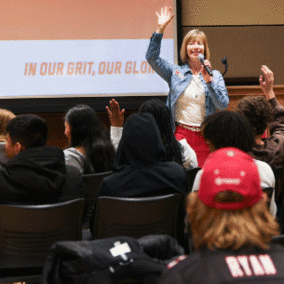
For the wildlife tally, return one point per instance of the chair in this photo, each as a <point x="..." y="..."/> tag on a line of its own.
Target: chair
<point x="279" y="183"/>
<point x="136" y="217"/>
<point x="279" y="193"/>
<point x="191" y="174"/>
<point x="28" y="231"/>
<point x="278" y="240"/>
<point x="91" y="183"/>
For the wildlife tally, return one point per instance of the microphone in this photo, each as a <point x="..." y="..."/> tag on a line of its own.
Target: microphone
<point x="201" y="59"/>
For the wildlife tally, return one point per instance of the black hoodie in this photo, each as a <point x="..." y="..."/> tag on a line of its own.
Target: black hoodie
<point x="38" y="176"/>
<point x="139" y="166"/>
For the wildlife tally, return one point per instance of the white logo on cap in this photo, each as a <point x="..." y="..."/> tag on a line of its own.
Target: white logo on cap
<point x="231" y="153"/>
<point x="242" y="173"/>
<point x="216" y="172"/>
<point x="220" y="181"/>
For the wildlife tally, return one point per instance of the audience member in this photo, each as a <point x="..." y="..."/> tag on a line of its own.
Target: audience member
<point x="140" y="169"/>
<point x="178" y="151"/>
<point x="90" y="148"/>
<point x="35" y="173"/>
<point x="5" y="117"/>
<point x="261" y="113"/>
<point x="231" y="227"/>
<point x="231" y="129"/>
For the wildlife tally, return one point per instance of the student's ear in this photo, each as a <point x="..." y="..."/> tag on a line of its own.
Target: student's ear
<point x="211" y="146"/>
<point x="265" y="197"/>
<point x="18" y="147"/>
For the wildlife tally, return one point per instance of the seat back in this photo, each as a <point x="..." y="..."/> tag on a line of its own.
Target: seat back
<point x="191" y="173"/>
<point x="279" y="183"/>
<point x="136" y="217"/>
<point x="28" y="231"/>
<point x="92" y="183"/>
<point x="279" y="240"/>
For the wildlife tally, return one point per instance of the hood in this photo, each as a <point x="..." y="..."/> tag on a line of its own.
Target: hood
<point x="39" y="169"/>
<point x="140" y="144"/>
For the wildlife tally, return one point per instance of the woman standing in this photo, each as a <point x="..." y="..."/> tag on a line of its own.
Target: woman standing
<point x="194" y="94"/>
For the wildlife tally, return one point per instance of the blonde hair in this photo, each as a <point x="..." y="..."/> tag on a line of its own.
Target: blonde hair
<point x="5" y="117"/>
<point x="192" y="35"/>
<point x="223" y="229"/>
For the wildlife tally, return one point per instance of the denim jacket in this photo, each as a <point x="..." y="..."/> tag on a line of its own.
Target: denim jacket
<point x="178" y="78"/>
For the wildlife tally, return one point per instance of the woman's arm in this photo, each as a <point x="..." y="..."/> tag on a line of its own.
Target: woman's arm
<point x="218" y="92"/>
<point x="159" y="65"/>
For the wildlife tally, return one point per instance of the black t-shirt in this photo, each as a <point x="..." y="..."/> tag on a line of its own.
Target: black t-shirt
<point x="242" y="266"/>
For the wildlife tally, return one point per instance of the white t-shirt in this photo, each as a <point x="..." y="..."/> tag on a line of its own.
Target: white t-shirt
<point x="267" y="179"/>
<point x="190" y="106"/>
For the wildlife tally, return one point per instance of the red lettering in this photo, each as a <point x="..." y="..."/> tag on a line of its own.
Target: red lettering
<point x="102" y="67"/>
<point x="79" y="66"/>
<point x="51" y="71"/>
<point x="43" y="69"/>
<point x="60" y="66"/>
<point x="144" y="66"/>
<point x="70" y="68"/>
<point x="134" y="68"/>
<point x="110" y="69"/>
<point x="118" y="65"/>
<point x="128" y="67"/>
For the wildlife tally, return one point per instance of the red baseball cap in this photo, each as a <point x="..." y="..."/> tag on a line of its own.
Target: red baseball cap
<point x="230" y="169"/>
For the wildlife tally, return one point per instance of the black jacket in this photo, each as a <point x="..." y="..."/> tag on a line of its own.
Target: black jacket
<point x="39" y="176"/>
<point x="139" y="168"/>
<point x="87" y="262"/>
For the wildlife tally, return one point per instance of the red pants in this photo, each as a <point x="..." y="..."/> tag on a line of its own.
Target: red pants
<point x="196" y="141"/>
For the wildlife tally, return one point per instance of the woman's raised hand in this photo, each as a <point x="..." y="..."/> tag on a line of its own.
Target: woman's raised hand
<point x="164" y="18"/>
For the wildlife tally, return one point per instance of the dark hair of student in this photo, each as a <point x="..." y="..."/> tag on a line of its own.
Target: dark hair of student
<point x="163" y="117"/>
<point x="88" y="131"/>
<point x="28" y="129"/>
<point x="258" y="111"/>
<point x="228" y="129"/>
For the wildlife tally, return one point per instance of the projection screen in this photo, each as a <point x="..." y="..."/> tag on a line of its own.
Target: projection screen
<point x="80" y="48"/>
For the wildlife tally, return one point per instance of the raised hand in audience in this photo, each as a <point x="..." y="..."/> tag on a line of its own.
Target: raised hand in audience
<point x="266" y="82"/>
<point x="115" y="115"/>
<point x="164" y="19"/>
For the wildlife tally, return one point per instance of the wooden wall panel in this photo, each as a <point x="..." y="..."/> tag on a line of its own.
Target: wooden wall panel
<point x="247" y="48"/>
<point x="232" y="12"/>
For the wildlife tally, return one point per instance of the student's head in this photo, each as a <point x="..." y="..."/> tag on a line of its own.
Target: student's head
<point x="163" y="117"/>
<point x="229" y="210"/>
<point x="192" y="36"/>
<point x="258" y="112"/>
<point x="227" y="129"/>
<point x="141" y="143"/>
<point x="161" y="113"/>
<point x="82" y="125"/>
<point x="84" y="129"/>
<point x="5" y="117"/>
<point x="25" y="131"/>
